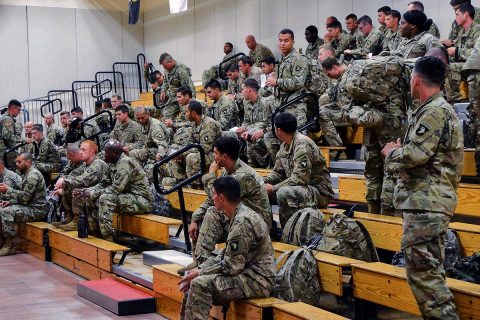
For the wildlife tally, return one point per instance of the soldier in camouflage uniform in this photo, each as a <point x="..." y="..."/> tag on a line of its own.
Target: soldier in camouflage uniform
<point x="257" y="121"/>
<point x="233" y="88"/>
<point x="300" y="178"/>
<point x="381" y="14"/>
<point x="11" y="130"/>
<point x="416" y="41"/>
<point x="89" y="173"/>
<point x="460" y="51"/>
<point x="212" y="73"/>
<point x="246" y="267"/>
<point x="205" y="131"/>
<point x="9" y="178"/>
<point x="258" y="51"/>
<point x="74" y="133"/>
<point x="372" y="41"/>
<point x="176" y="75"/>
<point x="54" y="132"/>
<point x="48" y="159"/>
<point x="126" y="131"/>
<point x="417" y="5"/>
<point x="292" y="71"/>
<point x="21" y="205"/>
<point x="248" y="70"/>
<point x="455" y="28"/>
<point x="340" y="41"/>
<point x="209" y="226"/>
<point x="429" y="162"/>
<point x="123" y="189"/>
<point x="353" y="31"/>
<point x="268" y="69"/>
<point x="392" y="35"/>
<point x="314" y="42"/>
<point x="223" y="110"/>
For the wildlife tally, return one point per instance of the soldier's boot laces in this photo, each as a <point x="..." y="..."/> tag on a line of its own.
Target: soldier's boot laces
<point x="191" y="266"/>
<point x="71" y="226"/>
<point x="8" y="248"/>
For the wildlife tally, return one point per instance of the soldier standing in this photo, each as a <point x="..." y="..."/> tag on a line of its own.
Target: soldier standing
<point x="258" y="51"/>
<point x="429" y="162"/>
<point x="54" y="132"/>
<point x="314" y="42"/>
<point x="10" y="129"/>
<point x="246" y="267"/>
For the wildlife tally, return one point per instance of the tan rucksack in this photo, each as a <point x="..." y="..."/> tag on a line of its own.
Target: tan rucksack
<point x="302" y="226"/>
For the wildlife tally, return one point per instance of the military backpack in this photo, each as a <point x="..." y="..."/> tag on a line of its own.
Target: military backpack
<point x="344" y="236"/>
<point x="302" y="226"/>
<point x="374" y="80"/>
<point x="297" y="277"/>
<point x="466" y="269"/>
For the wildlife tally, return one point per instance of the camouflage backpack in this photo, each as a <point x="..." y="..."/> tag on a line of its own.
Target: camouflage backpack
<point x="466" y="269"/>
<point x="302" y="226"/>
<point x="160" y="205"/>
<point x="373" y="80"/>
<point x="297" y="277"/>
<point x="344" y="236"/>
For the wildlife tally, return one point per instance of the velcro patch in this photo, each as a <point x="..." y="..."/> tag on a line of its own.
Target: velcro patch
<point x="422" y="129"/>
<point x="233" y="245"/>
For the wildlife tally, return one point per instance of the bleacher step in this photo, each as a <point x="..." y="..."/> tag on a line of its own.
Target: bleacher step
<point x="116" y="297"/>
<point x="347" y="166"/>
<point x="151" y="258"/>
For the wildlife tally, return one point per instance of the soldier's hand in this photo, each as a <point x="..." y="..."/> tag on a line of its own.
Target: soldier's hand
<point x="348" y="51"/>
<point x="257" y="135"/>
<point x="28" y="140"/>
<point x="231" y="96"/>
<point x="244" y="136"/>
<point x="4" y="204"/>
<point x="269" y="189"/>
<point x="168" y="123"/>
<point x="193" y="231"/>
<point x="145" y="65"/>
<point x="158" y="157"/>
<point x="184" y="283"/>
<point x="447" y="42"/>
<point x="125" y="149"/>
<point x="240" y="131"/>
<point x="3" y="188"/>
<point x="59" y="184"/>
<point x="271" y="82"/>
<point x="451" y="51"/>
<point x="391" y="146"/>
<point x="214" y="167"/>
<point x="162" y="96"/>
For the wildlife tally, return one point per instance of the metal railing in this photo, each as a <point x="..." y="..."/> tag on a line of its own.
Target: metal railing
<point x="115" y="77"/>
<point x="240" y="54"/>
<point x="134" y="82"/>
<point x="96" y="135"/>
<point x="178" y="187"/>
<point x="312" y="124"/>
<point x="14" y="149"/>
<point x="89" y="91"/>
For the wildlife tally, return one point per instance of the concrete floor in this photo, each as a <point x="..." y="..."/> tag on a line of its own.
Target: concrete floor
<point x="36" y="290"/>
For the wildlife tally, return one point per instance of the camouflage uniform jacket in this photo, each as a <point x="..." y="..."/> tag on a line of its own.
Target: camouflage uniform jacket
<point x="156" y="137"/>
<point x="383" y="28"/>
<point x="179" y="76"/>
<point x="234" y="87"/>
<point x="10" y="132"/>
<point x="455" y="29"/>
<point x="11" y="179"/>
<point x="356" y="39"/>
<point x="434" y="30"/>
<point x="226" y="65"/>
<point x="48" y="159"/>
<point x="248" y="254"/>
<point x="124" y="177"/>
<point x="317" y="81"/>
<point x="253" y="193"/>
<point x="392" y="40"/>
<point x="129" y="134"/>
<point x="259" y="53"/>
<point x="103" y="121"/>
<point x="341" y="44"/>
<point x="417" y="46"/>
<point x="257" y="114"/>
<point x="55" y="134"/>
<point x="473" y="60"/>
<point x="90" y="174"/>
<point x="336" y="96"/>
<point x="300" y="164"/>
<point x="205" y="133"/>
<point x="369" y="44"/>
<point x="312" y="49"/>
<point x="72" y="169"/>
<point x="31" y="194"/>
<point x="255" y="73"/>
<point x="465" y="42"/>
<point x="292" y="71"/>
<point x="431" y="159"/>
<point x="225" y="111"/>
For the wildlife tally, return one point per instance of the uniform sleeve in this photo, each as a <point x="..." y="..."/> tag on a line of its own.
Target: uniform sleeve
<point x="462" y="54"/>
<point x="24" y="196"/>
<point x="120" y="180"/>
<point x="161" y="139"/>
<point x="424" y="139"/>
<point x="277" y="174"/>
<point x="368" y="45"/>
<point x="207" y="180"/>
<point x="138" y="138"/>
<point x="8" y="133"/>
<point x="302" y="169"/>
<point x="228" y="111"/>
<point x="342" y="45"/>
<point x="299" y="75"/>
<point x="238" y="245"/>
<point x="208" y="136"/>
<point x="90" y="177"/>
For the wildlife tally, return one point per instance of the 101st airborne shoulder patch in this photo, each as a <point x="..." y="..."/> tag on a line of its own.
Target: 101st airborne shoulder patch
<point x="422" y="129"/>
<point x="233" y="245"/>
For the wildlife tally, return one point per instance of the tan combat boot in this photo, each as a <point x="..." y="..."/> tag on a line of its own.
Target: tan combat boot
<point x="72" y="225"/>
<point x="8" y="248"/>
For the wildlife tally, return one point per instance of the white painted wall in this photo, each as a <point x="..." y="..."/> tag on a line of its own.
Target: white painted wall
<point x="48" y="47"/>
<point x="196" y="37"/>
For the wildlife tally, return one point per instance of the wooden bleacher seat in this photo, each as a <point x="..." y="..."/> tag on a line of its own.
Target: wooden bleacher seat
<point x="352" y="188"/>
<point x="354" y="135"/>
<point x="148" y="226"/>
<point x="302" y="311"/>
<point x="469" y="166"/>
<point x="169" y="298"/>
<point x="146" y="96"/>
<point x="387" y="285"/>
<point x="91" y="257"/>
<point x="34" y="239"/>
<point x="141" y="103"/>
<point x="326" y="153"/>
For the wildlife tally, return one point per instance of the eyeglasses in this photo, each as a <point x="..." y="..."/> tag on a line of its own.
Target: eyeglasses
<point x="361" y="27"/>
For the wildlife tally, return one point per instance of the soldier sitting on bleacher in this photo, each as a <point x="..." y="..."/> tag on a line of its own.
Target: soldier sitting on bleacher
<point x="223" y="110"/>
<point x="123" y="189"/>
<point x="208" y="226"/>
<point x="300" y="178"/>
<point x="21" y="205"/>
<point x="9" y="177"/>
<point x="245" y="269"/>
<point x="127" y="131"/>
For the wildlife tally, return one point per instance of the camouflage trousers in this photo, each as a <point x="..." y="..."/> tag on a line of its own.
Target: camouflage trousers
<point x="263" y="150"/>
<point x="474" y="113"/>
<point x="453" y="81"/>
<point x="299" y="110"/>
<point x="208" y="290"/>
<point x="170" y="111"/>
<point x="290" y="199"/>
<point x="90" y="205"/>
<point x="213" y="230"/>
<point x="47" y="168"/>
<point x="187" y="167"/>
<point x="16" y="213"/>
<point x="423" y="241"/>
<point x="330" y="118"/>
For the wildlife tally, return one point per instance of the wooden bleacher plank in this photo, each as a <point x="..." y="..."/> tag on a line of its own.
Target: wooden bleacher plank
<point x="469" y="167"/>
<point x="33" y="239"/>
<point x="193" y="199"/>
<point x="149" y="226"/>
<point x="77" y="266"/>
<point x="142" y="103"/>
<point x="354" y="135"/>
<point x="387" y="285"/>
<point x="468" y="199"/>
<point x="326" y="153"/>
<point x="300" y="310"/>
<point x="263" y="172"/>
<point x="352" y="188"/>
<point x="469" y="236"/>
<point x="146" y="96"/>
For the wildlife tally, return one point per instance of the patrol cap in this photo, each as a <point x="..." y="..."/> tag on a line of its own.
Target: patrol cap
<point x="419" y="19"/>
<point x="431" y="68"/>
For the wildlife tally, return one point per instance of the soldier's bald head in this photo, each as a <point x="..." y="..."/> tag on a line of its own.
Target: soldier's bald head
<point x="113" y="150"/>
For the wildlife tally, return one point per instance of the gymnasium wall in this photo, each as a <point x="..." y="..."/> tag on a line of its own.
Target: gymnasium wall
<point x="196" y="37"/>
<point x="47" y="47"/>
